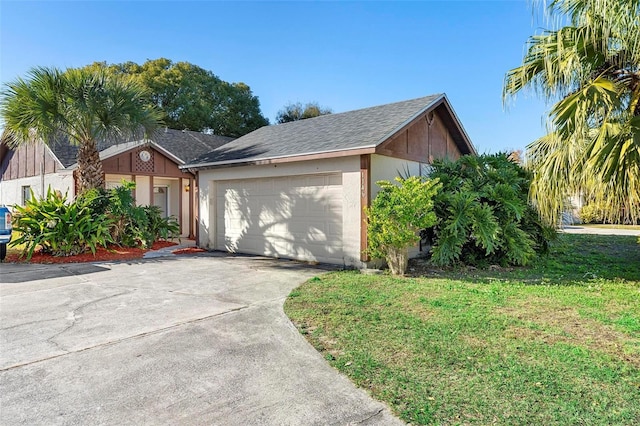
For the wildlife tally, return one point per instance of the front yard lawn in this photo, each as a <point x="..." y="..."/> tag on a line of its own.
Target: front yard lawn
<point x="556" y="343"/>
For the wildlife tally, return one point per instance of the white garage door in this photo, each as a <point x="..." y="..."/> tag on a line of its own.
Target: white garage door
<point x="297" y="217"/>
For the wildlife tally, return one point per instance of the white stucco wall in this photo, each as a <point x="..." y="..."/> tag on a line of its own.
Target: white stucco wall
<point x="143" y="192"/>
<point x="113" y="180"/>
<point x="348" y="167"/>
<point x="185" y="207"/>
<point x="388" y="168"/>
<point x="11" y="190"/>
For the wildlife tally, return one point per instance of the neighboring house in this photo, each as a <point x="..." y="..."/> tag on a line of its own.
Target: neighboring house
<point x="297" y="190"/>
<point x="152" y="164"/>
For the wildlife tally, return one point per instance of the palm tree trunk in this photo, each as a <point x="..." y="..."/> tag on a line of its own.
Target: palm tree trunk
<point x="90" y="173"/>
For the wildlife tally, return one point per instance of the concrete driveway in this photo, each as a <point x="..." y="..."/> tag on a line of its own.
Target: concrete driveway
<point x="186" y="340"/>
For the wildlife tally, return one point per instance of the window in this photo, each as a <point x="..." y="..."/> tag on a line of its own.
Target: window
<point x="26" y="194"/>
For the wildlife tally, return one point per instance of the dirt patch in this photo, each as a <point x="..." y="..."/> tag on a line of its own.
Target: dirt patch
<point x="102" y="254"/>
<point x="565" y="325"/>
<point x="189" y="250"/>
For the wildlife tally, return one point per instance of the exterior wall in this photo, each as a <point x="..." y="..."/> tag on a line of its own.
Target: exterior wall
<point x="129" y="163"/>
<point x="27" y="161"/>
<point x="388" y="168"/>
<point x="425" y="139"/>
<point x="11" y="190"/>
<point x="186" y="207"/>
<point x="348" y="167"/>
<point x="174" y="194"/>
<point x="112" y="180"/>
<point x="143" y="191"/>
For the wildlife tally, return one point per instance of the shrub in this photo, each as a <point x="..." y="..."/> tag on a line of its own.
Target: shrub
<point x="396" y="215"/>
<point x="161" y="227"/>
<point x="592" y="213"/>
<point x="483" y="214"/>
<point x="60" y="228"/>
<point x="131" y="225"/>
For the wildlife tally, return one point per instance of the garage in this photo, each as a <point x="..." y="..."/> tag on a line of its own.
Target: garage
<point x="298" y="190"/>
<point x="298" y="217"/>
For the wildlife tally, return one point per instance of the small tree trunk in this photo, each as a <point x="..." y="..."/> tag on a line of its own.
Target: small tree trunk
<point x="398" y="260"/>
<point x="90" y="172"/>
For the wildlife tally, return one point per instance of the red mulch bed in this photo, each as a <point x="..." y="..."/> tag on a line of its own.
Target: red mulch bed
<point x="112" y="253"/>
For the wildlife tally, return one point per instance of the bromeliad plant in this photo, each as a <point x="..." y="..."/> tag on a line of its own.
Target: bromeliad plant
<point x="60" y="228"/>
<point x="396" y="216"/>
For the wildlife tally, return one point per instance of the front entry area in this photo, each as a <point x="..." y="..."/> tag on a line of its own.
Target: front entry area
<point x="297" y="217"/>
<point x="161" y="199"/>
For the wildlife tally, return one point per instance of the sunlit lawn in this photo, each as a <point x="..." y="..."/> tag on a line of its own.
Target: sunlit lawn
<point x="557" y="343"/>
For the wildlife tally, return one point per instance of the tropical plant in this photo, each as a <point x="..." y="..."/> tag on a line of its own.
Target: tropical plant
<point x="396" y="216"/>
<point x="483" y="214"/>
<point x="161" y="228"/>
<point x="591" y="67"/>
<point x="59" y="227"/>
<point x="82" y="105"/>
<point x="131" y="225"/>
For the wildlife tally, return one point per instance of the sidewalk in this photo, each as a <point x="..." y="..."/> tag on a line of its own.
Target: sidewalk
<point x="168" y="251"/>
<point x="577" y="229"/>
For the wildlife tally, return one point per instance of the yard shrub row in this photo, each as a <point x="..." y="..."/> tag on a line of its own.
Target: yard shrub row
<point x="97" y="217"/>
<point x="474" y="211"/>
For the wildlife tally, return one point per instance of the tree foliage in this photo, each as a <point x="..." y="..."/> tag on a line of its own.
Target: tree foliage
<point x="83" y="105"/>
<point x="298" y="111"/>
<point x="194" y="98"/>
<point x="591" y="67"/>
<point x="483" y="214"/>
<point x="396" y="215"/>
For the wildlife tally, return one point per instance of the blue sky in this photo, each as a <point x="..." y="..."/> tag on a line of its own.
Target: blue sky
<point x="345" y="55"/>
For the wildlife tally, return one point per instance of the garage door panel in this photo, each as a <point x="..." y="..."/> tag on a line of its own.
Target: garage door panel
<point x="297" y="217"/>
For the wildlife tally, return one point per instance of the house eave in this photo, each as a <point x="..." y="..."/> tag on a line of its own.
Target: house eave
<point x="283" y="159"/>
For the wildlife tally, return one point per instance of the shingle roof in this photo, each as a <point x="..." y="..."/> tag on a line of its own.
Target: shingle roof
<point x="184" y="145"/>
<point x="363" y="128"/>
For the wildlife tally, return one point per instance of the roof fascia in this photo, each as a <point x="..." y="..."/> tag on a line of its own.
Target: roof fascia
<point x="135" y="145"/>
<point x="459" y="126"/>
<point x="283" y="159"/>
<point x="441" y="100"/>
<point x="53" y="155"/>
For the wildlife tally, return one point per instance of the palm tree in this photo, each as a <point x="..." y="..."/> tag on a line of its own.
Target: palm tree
<point x="82" y="105"/>
<point x="590" y="68"/>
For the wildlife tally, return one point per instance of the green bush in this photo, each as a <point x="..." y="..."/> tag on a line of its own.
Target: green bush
<point x="592" y="213"/>
<point x="60" y="228"/>
<point x="396" y="215"/>
<point x="131" y="225"/>
<point x="483" y="213"/>
<point x="161" y="228"/>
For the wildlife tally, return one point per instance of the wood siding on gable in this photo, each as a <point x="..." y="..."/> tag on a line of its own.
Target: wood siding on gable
<point x="130" y="163"/>
<point x="424" y="139"/>
<point x="27" y="161"/>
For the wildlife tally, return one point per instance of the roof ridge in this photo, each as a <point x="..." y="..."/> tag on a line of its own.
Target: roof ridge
<point x="390" y="104"/>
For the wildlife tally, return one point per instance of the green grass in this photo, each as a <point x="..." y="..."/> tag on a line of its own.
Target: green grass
<point x="557" y="343"/>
